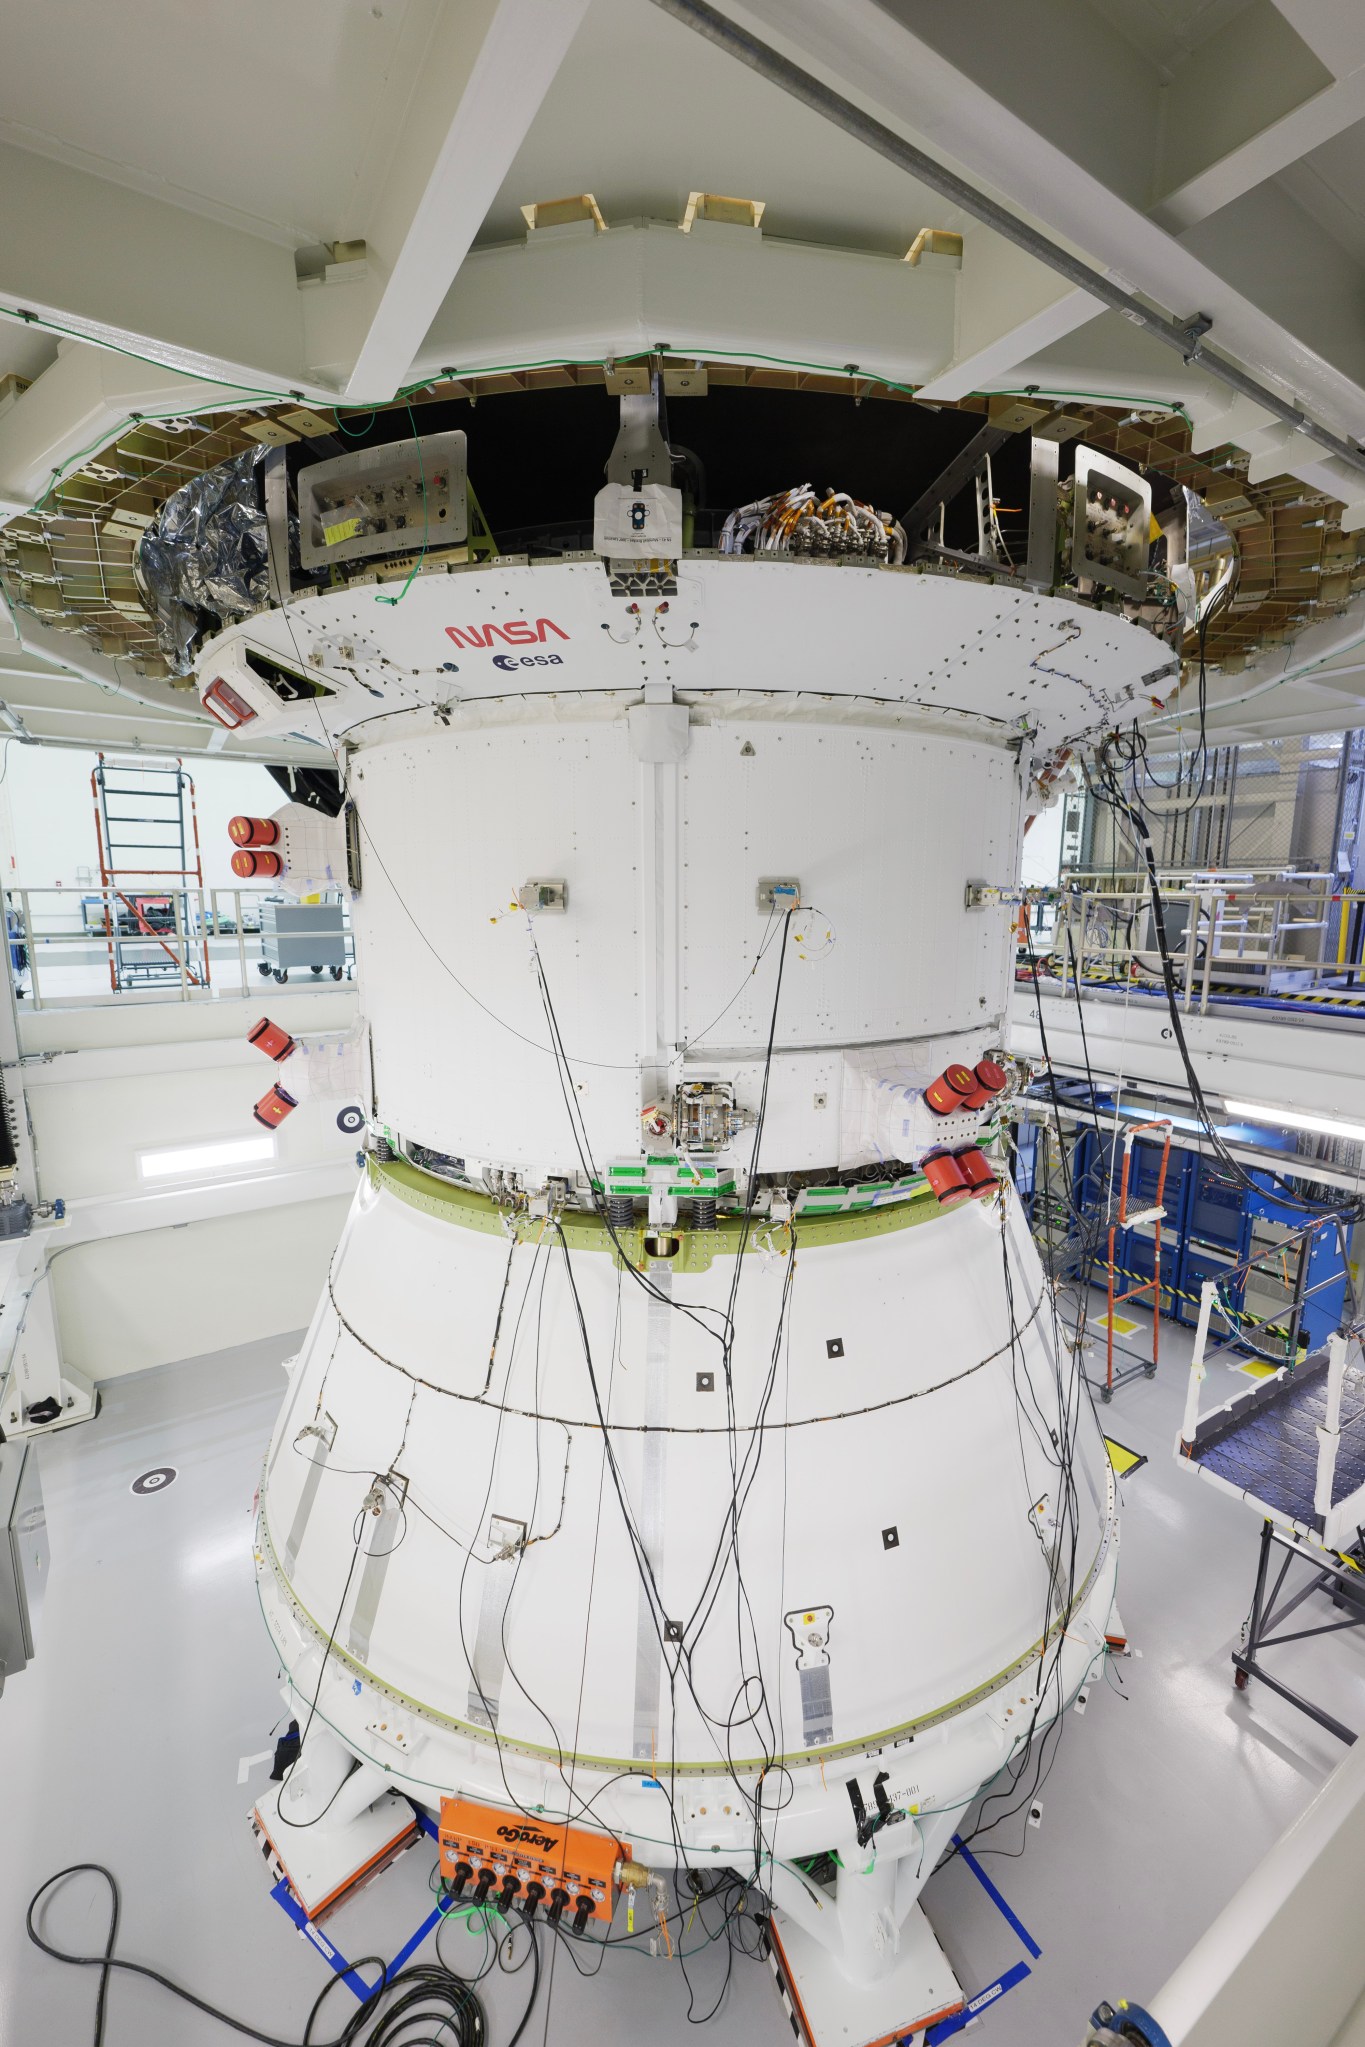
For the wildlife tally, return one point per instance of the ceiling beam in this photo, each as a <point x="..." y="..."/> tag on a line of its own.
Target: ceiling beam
<point x="90" y="257"/>
<point x="1264" y="154"/>
<point x="474" y="106"/>
<point x="867" y="52"/>
<point x="1249" y="102"/>
<point x="85" y="255"/>
<point x="730" y="292"/>
<point x="1008" y="307"/>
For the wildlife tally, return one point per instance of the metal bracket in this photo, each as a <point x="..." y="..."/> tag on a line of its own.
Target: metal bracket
<point x="540" y="898"/>
<point x="778" y="892"/>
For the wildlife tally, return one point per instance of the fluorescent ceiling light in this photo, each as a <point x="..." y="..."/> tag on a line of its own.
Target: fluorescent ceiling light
<point x="1291" y="1119"/>
<point x="206" y="1158"/>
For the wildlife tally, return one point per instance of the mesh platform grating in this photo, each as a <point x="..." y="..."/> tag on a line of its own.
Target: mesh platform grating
<point x="1268" y="1445"/>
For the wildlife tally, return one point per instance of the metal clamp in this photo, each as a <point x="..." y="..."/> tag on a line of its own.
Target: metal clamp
<point x="1130" y="2024"/>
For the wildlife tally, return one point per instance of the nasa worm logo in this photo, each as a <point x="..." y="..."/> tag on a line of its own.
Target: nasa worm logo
<point x="518" y="632"/>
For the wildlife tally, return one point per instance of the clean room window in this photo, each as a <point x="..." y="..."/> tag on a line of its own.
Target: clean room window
<point x="197" y="1161"/>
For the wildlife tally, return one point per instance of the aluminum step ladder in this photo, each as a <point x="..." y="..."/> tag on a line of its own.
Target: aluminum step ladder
<point x="1126" y="1218"/>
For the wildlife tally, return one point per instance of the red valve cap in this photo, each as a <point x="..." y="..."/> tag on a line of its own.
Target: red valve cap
<point x="945" y="1176"/>
<point x="271" y="1039"/>
<point x="950" y="1090"/>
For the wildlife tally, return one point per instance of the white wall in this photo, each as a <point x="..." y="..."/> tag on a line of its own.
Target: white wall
<point x="88" y="1133"/>
<point x="107" y="1084"/>
<point x="129" y="1302"/>
<point x="47" y="821"/>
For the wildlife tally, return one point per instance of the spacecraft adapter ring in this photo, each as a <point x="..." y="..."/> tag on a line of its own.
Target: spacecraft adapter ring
<point x="814" y="1759"/>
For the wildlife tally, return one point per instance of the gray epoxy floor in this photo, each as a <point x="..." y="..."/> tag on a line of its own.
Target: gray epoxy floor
<point x="124" y="1743"/>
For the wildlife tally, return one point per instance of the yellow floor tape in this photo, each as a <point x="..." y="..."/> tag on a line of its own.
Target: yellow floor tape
<point x="1120" y="1324"/>
<point x="1256" y="1368"/>
<point x="1124" y="1461"/>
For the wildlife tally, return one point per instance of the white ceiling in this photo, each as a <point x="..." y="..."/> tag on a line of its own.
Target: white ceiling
<point x="643" y="111"/>
<point x="279" y="118"/>
<point x="1166" y="32"/>
<point x="1329" y="184"/>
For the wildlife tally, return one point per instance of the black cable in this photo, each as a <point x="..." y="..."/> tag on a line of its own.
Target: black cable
<point x="1059" y="1452"/>
<point x="535" y="1983"/>
<point x="421" y="1993"/>
<point x="299" y="1825"/>
<point x="742" y="1472"/>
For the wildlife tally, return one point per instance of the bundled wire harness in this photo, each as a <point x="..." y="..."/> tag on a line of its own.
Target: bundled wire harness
<point x="801" y="521"/>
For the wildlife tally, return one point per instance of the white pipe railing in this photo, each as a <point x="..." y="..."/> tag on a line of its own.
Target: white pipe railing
<point x="176" y="957"/>
<point x="1246" y="928"/>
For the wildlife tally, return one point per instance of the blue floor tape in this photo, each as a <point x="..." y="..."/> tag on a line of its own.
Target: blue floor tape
<point x="1012" y="1977"/>
<point x="974" y="2006"/>
<point x="945" y="2029"/>
<point x="333" y="1956"/>
<point x="993" y="1894"/>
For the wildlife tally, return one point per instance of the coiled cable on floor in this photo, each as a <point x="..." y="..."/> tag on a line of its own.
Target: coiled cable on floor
<point x="431" y="1995"/>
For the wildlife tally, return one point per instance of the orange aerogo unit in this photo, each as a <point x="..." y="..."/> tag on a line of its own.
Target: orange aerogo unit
<point x="526" y="1860"/>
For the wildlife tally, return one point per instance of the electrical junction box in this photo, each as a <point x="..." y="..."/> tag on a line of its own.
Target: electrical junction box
<point x="778" y="892"/>
<point x="533" y="1849"/>
<point x="638" y="523"/>
<point x="704" y="1115"/>
<point x="392" y="499"/>
<point x="539" y="898"/>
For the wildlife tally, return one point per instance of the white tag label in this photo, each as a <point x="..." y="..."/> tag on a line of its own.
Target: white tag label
<point x="638" y="523"/>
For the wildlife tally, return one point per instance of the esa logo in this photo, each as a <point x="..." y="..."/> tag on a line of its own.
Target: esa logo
<point x="528" y="660"/>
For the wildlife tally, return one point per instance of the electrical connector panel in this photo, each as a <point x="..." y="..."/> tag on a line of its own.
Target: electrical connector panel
<point x="390" y="499"/>
<point x="704" y="1115"/>
<point x="1110" y="524"/>
<point x="581" y="1865"/>
<point x="540" y="897"/>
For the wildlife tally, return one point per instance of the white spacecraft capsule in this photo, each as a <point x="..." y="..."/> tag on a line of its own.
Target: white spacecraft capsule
<point x="684" y="1454"/>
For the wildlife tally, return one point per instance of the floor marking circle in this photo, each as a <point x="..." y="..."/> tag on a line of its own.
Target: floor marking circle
<point x="154" y="1481"/>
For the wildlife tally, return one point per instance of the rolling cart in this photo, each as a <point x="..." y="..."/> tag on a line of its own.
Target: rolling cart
<point x="311" y="935"/>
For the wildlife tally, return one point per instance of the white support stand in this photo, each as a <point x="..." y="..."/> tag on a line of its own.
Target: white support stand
<point x="861" y="1967"/>
<point x="1199" y="1371"/>
<point x="32" y="1374"/>
<point x="827" y="2009"/>
<point x="330" y="1827"/>
<point x="1329" y="1431"/>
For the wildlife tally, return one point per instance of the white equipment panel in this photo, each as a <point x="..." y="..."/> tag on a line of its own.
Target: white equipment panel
<point x="389" y="499"/>
<point x="1055" y="668"/>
